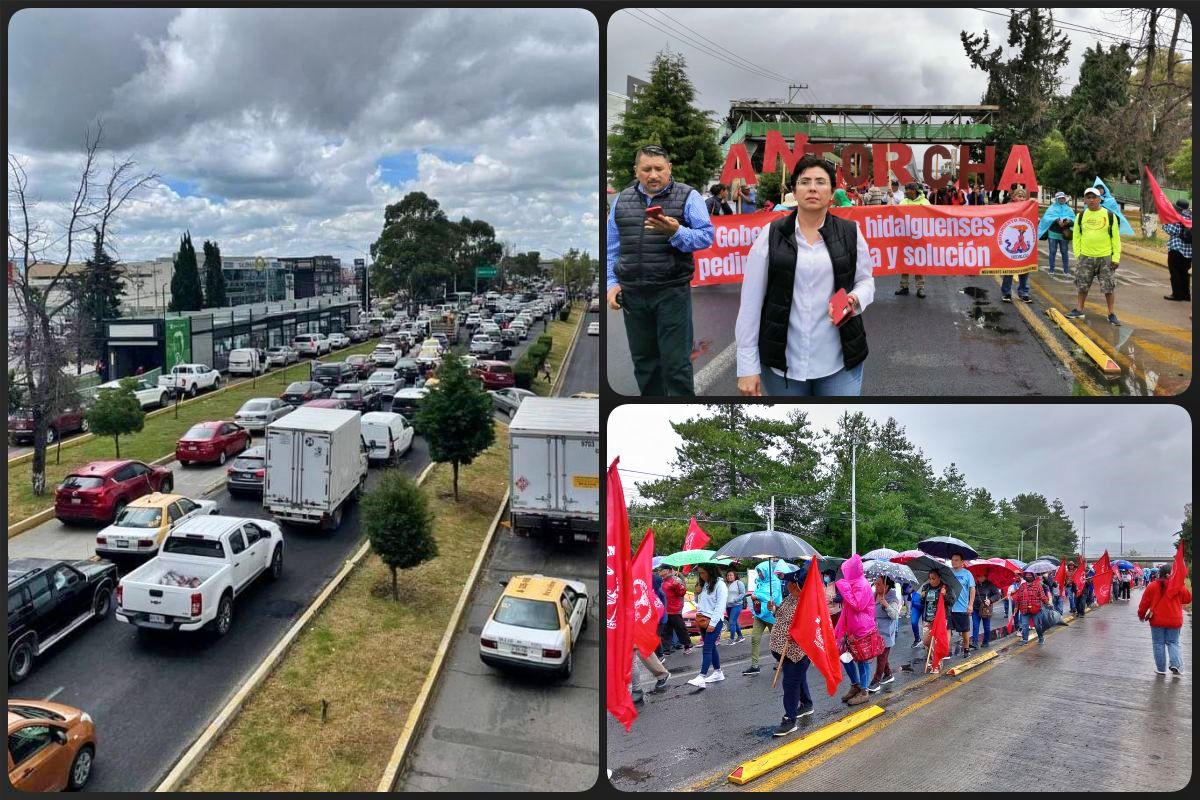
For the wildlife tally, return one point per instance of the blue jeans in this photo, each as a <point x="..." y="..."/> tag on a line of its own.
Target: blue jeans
<point x="711" y="656"/>
<point x="735" y="625"/>
<point x="1037" y="624"/>
<point x="843" y="383"/>
<point x="1022" y="285"/>
<point x="1167" y="638"/>
<point x="795" y="686"/>
<point x="914" y="619"/>
<point x="987" y="628"/>
<point x="1059" y="244"/>
<point x="1058" y="603"/>
<point x="859" y="672"/>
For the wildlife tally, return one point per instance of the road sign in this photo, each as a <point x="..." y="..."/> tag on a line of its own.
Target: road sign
<point x="179" y="341"/>
<point x="485" y="272"/>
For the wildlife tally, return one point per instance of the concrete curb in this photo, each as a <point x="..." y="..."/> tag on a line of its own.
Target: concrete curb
<point x="1042" y="332"/>
<point x="1152" y="257"/>
<point x="1102" y="359"/>
<point x="562" y="370"/>
<point x="187" y="763"/>
<point x="417" y="713"/>
<point x="958" y="669"/>
<point x="756" y="768"/>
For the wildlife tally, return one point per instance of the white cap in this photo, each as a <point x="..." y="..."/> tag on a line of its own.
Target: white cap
<point x="1060" y="194"/>
<point x="1092" y="190"/>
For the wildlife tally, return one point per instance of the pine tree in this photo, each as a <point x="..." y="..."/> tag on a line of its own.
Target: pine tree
<point x="456" y="417"/>
<point x="185" y="282"/>
<point x="100" y="296"/>
<point x="214" y="277"/>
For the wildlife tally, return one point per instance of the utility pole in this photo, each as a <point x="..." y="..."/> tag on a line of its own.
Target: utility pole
<point x="1083" y="539"/>
<point x="771" y="522"/>
<point x="1122" y="527"/>
<point x="1036" y="535"/>
<point x="853" y="498"/>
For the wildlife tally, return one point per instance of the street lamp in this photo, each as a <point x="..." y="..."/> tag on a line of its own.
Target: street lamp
<point x="1083" y="544"/>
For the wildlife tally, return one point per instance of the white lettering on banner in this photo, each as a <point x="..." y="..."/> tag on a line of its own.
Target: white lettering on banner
<point x="917" y="228"/>
<point x="730" y="265"/>
<point x="741" y="236"/>
<point x="960" y="255"/>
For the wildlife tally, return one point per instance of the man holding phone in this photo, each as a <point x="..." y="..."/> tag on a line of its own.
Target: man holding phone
<point x="653" y="228"/>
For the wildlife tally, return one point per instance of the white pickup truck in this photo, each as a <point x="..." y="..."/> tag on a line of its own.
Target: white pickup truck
<point x="189" y="379"/>
<point x="203" y="565"/>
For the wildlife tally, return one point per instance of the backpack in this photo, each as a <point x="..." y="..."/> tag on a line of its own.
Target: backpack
<point x="1185" y="233"/>
<point x="1079" y="220"/>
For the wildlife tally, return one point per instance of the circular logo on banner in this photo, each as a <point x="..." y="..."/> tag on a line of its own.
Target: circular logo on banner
<point x="642" y="607"/>
<point x="1017" y="238"/>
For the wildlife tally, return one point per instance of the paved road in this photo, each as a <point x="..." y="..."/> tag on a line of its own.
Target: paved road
<point x="583" y="373"/>
<point x="152" y="696"/>
<point x="962" y="340"/>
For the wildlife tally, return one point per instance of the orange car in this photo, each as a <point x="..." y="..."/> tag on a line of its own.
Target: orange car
<point x="51" y="747"/>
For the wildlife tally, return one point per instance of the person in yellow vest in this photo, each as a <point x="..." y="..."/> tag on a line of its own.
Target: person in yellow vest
<point x="912" y="197"/>
<point x="1096" y="237"/>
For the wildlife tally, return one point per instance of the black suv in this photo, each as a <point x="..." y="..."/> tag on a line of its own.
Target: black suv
<point x="409" y="369"/>
<point x="47" y="600"/>
<point x="333" y="373"/>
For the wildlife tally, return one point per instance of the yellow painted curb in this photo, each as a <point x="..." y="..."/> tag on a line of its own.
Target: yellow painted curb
<point x="974" y="662"/>
<point x="562" y="369"/>
<point x="756" y="768"/>
<point x="1102" y="359"/>
<point x="1056" y="347"/>
<point x="187" y="763"/>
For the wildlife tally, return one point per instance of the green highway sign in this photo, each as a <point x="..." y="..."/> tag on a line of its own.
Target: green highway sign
<point x="485" y="272"/>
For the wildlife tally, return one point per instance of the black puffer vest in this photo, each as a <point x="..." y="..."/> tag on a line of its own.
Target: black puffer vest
<point x="647" y="259"/>
<point x="841" y="240"/>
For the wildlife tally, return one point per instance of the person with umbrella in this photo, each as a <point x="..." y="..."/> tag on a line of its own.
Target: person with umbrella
<point x="1126" y="581"/>
<point x="930" y="591"/>
<point x="981" y="612"/>
<point x="710" y="596"/>
<point x="797" y="700"/>
<point x="767" y="598"/>
<point x="675" y="590"/>
<point x="960" y="617"/>
<point x="915" y="606"/>
<point x="887" y="616"/>
<point x="857" y="622"/>
<point x="1029" y="599"/>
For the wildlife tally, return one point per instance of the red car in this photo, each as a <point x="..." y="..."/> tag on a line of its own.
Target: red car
<point x="328" y="402"/>
<point x="102" y="489"/>
<point x="20" y="425"/>
<point x="495" y="374"/>
<point x="206" y="442"/>
<point x="745" y="619"/>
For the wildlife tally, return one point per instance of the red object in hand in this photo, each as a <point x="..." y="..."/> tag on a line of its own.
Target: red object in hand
<point x="654" y="211"/>
<point x="841" y="308"/>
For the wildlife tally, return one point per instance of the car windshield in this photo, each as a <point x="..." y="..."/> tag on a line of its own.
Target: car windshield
<point x="187" y="546"/>
<point x="345" y="393"/>
<point x="539" y="615"/>
<point x="382" y="376"/>
<point x="83" y="482"/>
<point x="22" y="413"/>
<point x="249" y="462"/>
<point x="139" y="518"/>
<point x="200" y="432"/>
<point x="328" y="369"/>
<point x="499" y="369"/>
<point x="278" y="350"/>
<point x="256" y="405"/>
<point x="296" y="388"/>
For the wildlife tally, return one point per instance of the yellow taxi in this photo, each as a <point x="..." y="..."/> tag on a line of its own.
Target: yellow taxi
<point x="142" y="525"/>
<point x="535" y="625"/>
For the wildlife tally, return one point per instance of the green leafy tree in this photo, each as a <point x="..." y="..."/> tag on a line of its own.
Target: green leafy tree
<point x="186" y="294"/>
<point x="770" y="187"/>
<point x="475" y="245"/>
<point x="1054" y="168"/>
<point x="399" y="525"/>
<point x="1180" y="168"/>
<point x="663" y="113"/>
<point x="97" y="292"/>
<point x="116" y="413"/>
<point x="456" y="417"/>
<point x="214" y="276"/>
<point x="415" y="252"/>
<point x="1093" y="113"/>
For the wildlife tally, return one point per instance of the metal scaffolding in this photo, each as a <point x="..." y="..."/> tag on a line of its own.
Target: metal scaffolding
<point x="751" y="119"/>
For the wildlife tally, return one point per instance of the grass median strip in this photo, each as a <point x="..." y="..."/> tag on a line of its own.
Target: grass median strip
<point x="363" y="660"/>
<point x="563" y="333"/>
<point x="155" y="440"/>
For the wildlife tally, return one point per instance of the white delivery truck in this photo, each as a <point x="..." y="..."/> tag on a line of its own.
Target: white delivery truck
<point x="554" y="469"/>
<point x="316" y="461"/>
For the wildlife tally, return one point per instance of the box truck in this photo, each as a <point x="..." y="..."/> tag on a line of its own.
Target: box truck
<point x="316" y="462"/>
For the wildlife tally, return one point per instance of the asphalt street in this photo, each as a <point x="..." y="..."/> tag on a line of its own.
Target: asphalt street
<point x="487" y="730"/>
<point x="152" y="696"/>
<point x="583" y="373"/>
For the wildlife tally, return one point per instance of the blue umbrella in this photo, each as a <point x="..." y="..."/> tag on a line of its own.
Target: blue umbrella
<point x="654" y="562"/>
<point x="1123" y="564"/>
<point x="1018" y="563"/>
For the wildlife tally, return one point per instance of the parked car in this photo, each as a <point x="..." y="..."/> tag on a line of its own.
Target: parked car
<point x="359" y="396"/>
<point x="51" y="746"/>
<point x="507" y="401"/>
<point x="100" y="491"/>
<point x="442" y="339"/>
<point x="593" y="329"/>
<point x="282" y="356"/>
<point x="333" y="373"/>
<point x="535" y="625"/>
<point x="256" y="414"/>
<point x="494" y="374"/>
<point x="510" y="336"/>
<point x="141" y="527"/>
<point x="594" y="305"/>
<point x="338" y="340"/>
<point x="388" y="436"/>
<point x="300" y="392"/>
<point x="520" y="329"/>
<point x="203" y="565"/>
<point x="147" y="394"/>
<point x="359" y="333"/>
<point x="48" y="599"/>
<point x="387" y="382"/>
<point x="585" y="396"/>
<point x="20" y="425"/>
<point x="327" y="402"/>
<point x="408" y="369"/>
<point x="483" y="345"/>
<point x="362" y="364"/>
<point x="408" y="402"/>
<point x="430" y="352"/>
<point x="190" y="379"/>
<point x="385" y="355"/>
<point x="312" y="345"/>
<point x="246" y="361"/>
<point x="208" y="442"/>
<point x="247" y="472"/>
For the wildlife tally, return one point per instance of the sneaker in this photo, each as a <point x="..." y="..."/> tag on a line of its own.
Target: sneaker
<point x="874" y="687"/>
<point x="754" y="670"/>
<point x="1027" y="298"/>
<point x="1112" y="319"/>
<point x="688" y="650"/>
<point x="805" y="710"/>
<point x="1160" y="672"/>
<point x="1041" y="641"/>
<point x="858" y="699"/>
<point x="661" y="683"/>
<point x="921" y="293"/>
<point x="916" y="644"/>
<point x="716" y="676"/>
<point x="1066" y="271"/>
<point x="903" y="290"/>
<point x="636" y="696"/>
<point x="1007" y="298"/>
<point x="698" y="682"/>
<point x="1176" y="671"/>
<point x="1075" y="313"/>
<point x="854" y="692"/>
<point x="887" y="679"/>
<point x="786" y="726"/>
<point x="1051" y="270"/>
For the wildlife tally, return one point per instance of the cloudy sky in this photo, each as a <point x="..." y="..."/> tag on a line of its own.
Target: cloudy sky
<point x="286" y="132"/>
<point x="902" y="56"/>
<point x="1130" y="464"/>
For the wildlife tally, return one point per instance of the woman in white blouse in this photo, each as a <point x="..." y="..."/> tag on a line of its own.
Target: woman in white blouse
<point x="787" y="342"/>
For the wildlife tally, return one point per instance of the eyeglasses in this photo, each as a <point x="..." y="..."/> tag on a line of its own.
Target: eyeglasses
<point x="818" y="182"/>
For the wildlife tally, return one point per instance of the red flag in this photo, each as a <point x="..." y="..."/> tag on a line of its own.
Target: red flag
<point x="1060" y="577"/>
<point x="1178" y="574"/>
<point x="940" y="642"/>
<point x="841" y="181"/>
<point x="1080" y="574"/>
<point x="646" y="605"/>
<point x="695" y="540"/>
<point x="1102" y="583"/>
<point x="812" y="629"/>
<point x="1166" y="211"/>
<point x="619" y="633"/>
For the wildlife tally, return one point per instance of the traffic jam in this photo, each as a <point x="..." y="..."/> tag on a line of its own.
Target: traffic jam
<point x="188" y="558"/>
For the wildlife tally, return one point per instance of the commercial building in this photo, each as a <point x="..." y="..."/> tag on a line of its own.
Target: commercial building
<point x="255" y="279"/>
<point x="313" y="276"/>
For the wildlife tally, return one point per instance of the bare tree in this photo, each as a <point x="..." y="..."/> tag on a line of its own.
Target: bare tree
<point x="94" y="205"/>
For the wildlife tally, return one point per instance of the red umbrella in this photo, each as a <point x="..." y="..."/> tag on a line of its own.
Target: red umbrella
<point x="999" y="574"/>
<point x="909" y="555"/>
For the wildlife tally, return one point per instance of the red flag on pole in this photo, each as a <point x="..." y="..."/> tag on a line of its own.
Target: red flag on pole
<point x="695" y="540"/>
<point x="619" y="632"/>
<point x="1060" y="577"/>
<point x="1179" y="573"/>
<point x="812" y="629"/>
<point x="940" y="641"/>
<point x="1166" y="211"/>
<point x="1080" y="574"/>
<point x="646" y="605"/>
<point x="1102" y="583"/>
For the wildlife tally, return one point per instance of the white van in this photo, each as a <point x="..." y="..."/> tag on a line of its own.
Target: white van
<point x="387" y="436"/>
<point x="246" y="361"/>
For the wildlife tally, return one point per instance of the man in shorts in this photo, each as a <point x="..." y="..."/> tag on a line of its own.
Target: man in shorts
<point x="960" y="613"/>
<point x="1096" y="238"/>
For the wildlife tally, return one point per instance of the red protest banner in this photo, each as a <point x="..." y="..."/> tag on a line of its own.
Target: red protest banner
<point x="695" y="540"/>
<point x="917" y="239"/>
<point x="646" y="605"/>
<point x="1166" y="212"/>
<point x="813" y="632"/>
<point x="1102" y="583"/>
<point x="618" y="637"/>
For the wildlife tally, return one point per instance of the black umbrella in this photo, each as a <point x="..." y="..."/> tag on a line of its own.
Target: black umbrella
<point x="921" y="566"/>
<point x="946" y="546"/>
<point x="825" y="563"/>
<point x="761" y="545"/>
<point x="1051" y="559"/>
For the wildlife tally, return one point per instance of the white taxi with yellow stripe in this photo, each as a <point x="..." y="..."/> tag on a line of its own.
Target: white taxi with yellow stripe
<point x="143" y="524"/>
<point x="535" y="625"/>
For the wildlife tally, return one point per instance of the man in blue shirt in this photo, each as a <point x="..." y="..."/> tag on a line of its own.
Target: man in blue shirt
<point x="650" y="271"/>
<point x="960" y="614"/>
<point x="1179" y="255"/>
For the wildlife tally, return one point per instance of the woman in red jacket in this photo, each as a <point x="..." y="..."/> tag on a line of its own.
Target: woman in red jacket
<point x="1164" y="611"/>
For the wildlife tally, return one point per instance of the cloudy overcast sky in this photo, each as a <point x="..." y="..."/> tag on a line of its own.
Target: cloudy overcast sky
<point x="286" y="131"/>
<point x="1131" y="464"/>
<point x="845" y="55"/>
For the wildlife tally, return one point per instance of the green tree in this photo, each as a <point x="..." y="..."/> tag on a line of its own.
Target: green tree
<point x="1054" y="168"/>
<point x="116" y="412"/>
<point x="214" y="276"/>
<point x="770" y="187"/>
<point x="98" y="292"/>
<point x="16" y="391"/>
<point x="1180" y="168"/>
<point x="456" y="417"/>
<point x="415" y="251"/>
<point x="399" y="525"/>
<point x="663" y="113"/>
<point x="1094" y="112"/>
<point x="475" y="245"/>
<point x="185" y="282"/>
